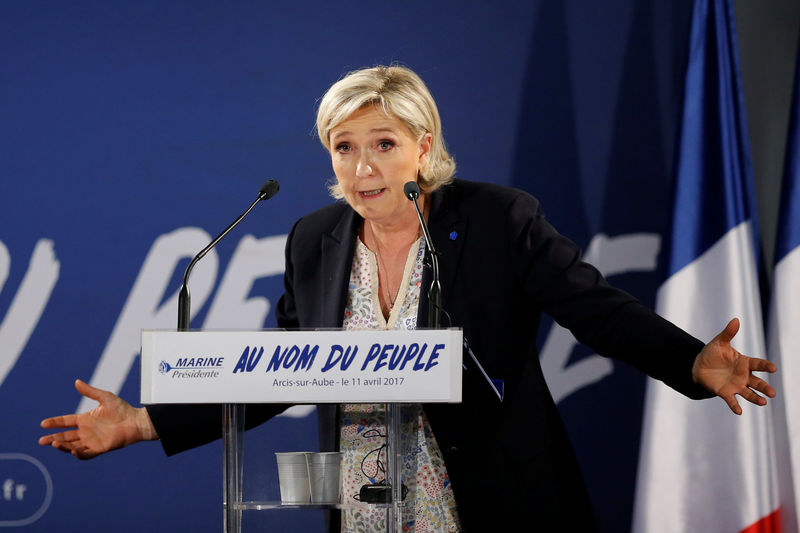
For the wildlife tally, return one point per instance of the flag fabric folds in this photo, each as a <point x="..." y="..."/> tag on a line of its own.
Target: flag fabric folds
<point x="784" y="323"/>
<point x="702" y="468"/>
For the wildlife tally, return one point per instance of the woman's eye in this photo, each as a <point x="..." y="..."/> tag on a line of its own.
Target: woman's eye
<point x="343" y="148"/>
<point x="385" y="145"/>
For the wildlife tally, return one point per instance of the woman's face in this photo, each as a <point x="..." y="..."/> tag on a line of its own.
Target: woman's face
<point x="373" y="156"/>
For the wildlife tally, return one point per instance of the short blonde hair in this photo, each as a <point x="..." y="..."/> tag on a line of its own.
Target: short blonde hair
<point x="400" y="93"/>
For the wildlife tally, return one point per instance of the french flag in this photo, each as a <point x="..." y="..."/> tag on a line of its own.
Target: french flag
<point x="784" y="324"/>
<point x="702" y="468"/>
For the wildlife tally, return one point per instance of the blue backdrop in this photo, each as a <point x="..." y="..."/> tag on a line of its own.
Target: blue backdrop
<point x="132" y="132"/>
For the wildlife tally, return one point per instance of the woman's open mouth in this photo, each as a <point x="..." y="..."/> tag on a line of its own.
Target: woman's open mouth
<point x="371" y="194"/>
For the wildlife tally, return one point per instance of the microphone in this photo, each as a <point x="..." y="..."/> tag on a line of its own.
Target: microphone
<point x="267" y="191"/>
<point x="411" y="190"/>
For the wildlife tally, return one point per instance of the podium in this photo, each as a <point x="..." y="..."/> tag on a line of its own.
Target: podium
<point x="393" y="369"/>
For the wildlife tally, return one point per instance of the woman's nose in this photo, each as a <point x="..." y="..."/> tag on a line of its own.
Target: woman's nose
<point x="363" y="167"/>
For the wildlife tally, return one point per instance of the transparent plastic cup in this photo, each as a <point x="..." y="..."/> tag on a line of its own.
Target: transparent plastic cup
<point x="323" y="476"/>
<point x="293" y="477"/>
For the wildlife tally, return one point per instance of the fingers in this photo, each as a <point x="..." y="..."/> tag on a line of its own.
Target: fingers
<point x="66" y="436"/>
<point x="64" y="421"/>
<point x="762" y="365"/>
<point x="69" y="442"/>
<point x="66" y="446"/>
<point x="62" y="447"/>
<point x="90" y="392"/>
<point x="752" y="397"/>
<point x="733" y="404"/>
<point x="761" y="386"/>
<point x="727" y="334"/>
<point x="749" y="393"/>
<point x="76" y="449"/>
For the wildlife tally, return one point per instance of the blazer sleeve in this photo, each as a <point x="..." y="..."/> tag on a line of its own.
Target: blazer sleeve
<point x="605" y="318"/>
<point x="181" y="427"/>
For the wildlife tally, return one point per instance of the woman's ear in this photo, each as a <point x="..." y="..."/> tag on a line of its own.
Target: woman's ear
<point x="425" y="149"/>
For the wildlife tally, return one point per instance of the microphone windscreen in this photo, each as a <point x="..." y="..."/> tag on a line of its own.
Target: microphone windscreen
<point x="411" y="189"/>
<point x="269" y="189"/>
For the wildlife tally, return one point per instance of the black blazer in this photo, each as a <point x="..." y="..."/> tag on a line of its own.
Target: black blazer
<point x="502" y="264"/>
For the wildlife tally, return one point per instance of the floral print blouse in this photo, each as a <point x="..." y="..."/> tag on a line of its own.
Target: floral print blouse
<point x="429" y="505"/>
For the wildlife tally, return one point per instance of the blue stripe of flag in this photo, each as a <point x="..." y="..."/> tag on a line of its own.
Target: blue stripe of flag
<point x="714" y="183"/>
<point x="789" y="217"/>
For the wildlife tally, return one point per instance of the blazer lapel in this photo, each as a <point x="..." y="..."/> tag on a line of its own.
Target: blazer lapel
<point x="337" y="248"/>
<point x="448" y="232"/>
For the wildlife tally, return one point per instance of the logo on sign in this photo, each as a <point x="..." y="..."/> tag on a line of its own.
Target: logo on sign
<point x="192" y="367"/>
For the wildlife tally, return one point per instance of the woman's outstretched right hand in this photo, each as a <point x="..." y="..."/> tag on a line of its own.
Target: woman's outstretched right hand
<point x="111" y="425"/>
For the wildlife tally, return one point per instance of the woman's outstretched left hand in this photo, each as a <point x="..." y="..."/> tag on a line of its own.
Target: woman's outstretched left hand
<point x="721" y="369"/>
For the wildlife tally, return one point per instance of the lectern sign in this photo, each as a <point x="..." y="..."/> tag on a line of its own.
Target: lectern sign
<point x="301" y="366"/>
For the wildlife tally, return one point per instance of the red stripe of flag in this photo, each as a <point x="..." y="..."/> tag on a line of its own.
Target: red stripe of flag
<point x="769" y="524"/>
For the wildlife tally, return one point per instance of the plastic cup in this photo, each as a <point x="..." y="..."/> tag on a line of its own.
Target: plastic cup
<point x="323" y="476"/>
<point x="293" y="477"/>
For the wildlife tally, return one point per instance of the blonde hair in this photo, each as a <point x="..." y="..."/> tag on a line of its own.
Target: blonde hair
<point x="401" y="94"/>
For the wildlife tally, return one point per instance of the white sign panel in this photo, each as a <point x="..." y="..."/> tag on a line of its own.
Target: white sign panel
<point x="301" y="366"/>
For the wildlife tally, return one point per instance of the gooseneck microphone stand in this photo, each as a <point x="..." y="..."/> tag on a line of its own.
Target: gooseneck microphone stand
<point x="267" y="191"/>
<point x="411" y="190"/>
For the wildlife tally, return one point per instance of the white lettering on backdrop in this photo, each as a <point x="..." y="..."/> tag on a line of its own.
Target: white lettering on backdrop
<point x="29" y="301"/>
<point x="231" y="308"/>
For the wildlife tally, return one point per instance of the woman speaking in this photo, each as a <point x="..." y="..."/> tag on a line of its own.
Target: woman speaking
<point x="361" y="263"/>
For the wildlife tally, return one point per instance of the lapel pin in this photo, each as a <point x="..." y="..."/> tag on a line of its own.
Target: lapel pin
<point x="453" y="235"/>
